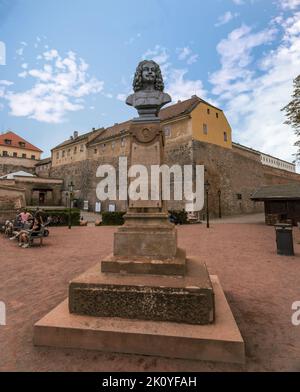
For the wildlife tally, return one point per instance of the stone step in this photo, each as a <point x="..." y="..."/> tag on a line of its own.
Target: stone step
<point x="182" y="299"/>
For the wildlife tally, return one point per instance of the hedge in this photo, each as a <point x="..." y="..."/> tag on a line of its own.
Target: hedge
<point x="61" y="217"/>
<point x="113" y="218"/>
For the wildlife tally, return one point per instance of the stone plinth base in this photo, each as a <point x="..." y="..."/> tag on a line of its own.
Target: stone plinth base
<point x="220" y="341"/>
<point x="146" y="265"/>
<point x="182" y="299"/>
<point x="146" y="235"/>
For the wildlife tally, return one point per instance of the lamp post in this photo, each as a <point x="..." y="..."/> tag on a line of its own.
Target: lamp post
<point x="207" y="186"/>
<point x="70" y="186"/>
<point x="220" y="207"/>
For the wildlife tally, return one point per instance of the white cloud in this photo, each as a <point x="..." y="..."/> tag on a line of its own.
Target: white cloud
<point x="186" y="54"/>
<point x="20" y="51"/>
<point x="226" y="18"/>
<point x="131" y="40"/>
<point x="59" y="87"/>
<point x="122" y="97"/>
<point x="181" y="88"/>
<point x="6" y="83"/>
<point x="236" y="55"/>
<point x="176" y="82"/>
<point x="253" y="96"/>
<point x="3" y="85"/>
<point x="289" y="4"/>
<point x="23" y="74"/>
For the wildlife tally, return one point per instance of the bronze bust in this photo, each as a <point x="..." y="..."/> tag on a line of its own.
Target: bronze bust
<point x="149" y="96"/>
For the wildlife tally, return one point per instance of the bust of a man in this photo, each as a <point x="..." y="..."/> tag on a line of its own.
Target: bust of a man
<point x="148" y="86"/>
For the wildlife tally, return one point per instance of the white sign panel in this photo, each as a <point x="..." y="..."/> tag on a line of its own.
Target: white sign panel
<point x="111" y="207"/>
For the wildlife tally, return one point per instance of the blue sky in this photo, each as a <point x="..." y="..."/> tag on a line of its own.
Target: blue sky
<point x="69" y="64"/>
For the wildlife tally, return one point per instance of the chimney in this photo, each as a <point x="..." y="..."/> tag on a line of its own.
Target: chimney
<point x="75" y="134"/>
<point x="93" y="129"/>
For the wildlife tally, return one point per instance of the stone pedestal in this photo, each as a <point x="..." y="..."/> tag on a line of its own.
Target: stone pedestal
<point x="220" y="341"/>
<point x="181" y="299"/>
<point x="147" y="243"/>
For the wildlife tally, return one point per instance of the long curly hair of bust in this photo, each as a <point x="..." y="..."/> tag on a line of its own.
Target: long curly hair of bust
<point x="138" y="81"/>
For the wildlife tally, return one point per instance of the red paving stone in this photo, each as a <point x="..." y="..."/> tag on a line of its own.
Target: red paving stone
<point x="260" y="287"/>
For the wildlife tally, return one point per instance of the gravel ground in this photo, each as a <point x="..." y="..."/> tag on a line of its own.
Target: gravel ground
<point x="260" y="287"/>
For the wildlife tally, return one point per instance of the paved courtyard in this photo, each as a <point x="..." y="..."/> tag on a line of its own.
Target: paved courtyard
<point x="260" y="287"/>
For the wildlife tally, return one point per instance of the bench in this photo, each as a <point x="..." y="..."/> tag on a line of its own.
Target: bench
<point x="33" y="235"/>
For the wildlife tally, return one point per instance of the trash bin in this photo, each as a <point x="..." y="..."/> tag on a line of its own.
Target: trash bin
<point x="284" y="239"/>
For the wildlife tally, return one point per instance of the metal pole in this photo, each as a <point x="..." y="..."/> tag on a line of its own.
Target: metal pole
<point x="70" y="210"/>
<point x="220" y="207"/>
<point x="207" y="210"/>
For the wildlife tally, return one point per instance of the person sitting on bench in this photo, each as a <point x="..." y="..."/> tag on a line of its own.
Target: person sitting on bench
<point x="25" y="235"/>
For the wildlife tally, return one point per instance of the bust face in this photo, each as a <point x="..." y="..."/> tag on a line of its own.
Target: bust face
<point x="148" y="73"/>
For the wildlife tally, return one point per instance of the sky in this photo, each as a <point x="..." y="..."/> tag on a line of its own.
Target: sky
<point x="68" y="65"/>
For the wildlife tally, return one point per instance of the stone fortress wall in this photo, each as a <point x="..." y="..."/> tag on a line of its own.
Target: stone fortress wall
<point x="235" y="172"/>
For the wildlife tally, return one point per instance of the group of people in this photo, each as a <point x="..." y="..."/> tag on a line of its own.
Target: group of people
<point x="26" y="226"/>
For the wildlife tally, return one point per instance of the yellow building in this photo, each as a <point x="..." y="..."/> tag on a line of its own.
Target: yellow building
<point x="74" y="149"/>
<point x="199" y="120"/>
<point x="13" y="146"/>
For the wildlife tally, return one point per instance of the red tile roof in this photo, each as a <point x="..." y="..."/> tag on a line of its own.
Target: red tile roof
<point x="182" y="108"/>
<point x="15" y="140"/>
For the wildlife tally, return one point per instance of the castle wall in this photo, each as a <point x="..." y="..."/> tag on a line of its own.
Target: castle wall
<point x="10" y="165"/>
<point x="236" y="173"/>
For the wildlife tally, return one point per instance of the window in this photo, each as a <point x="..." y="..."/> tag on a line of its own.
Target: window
<point x="208" y="111"/>
<point x="81" y="148"/>
<point x="21" y="144"/>
<point x="205" y="129"/>
<point x="217" y="115"/>
<point x="75" y="150"/>
<point x="57" y="155"/>
<point x="7" y="141"/>
<point x="24" y="156"/>
<point x="5" y="153"/>
<point x="225" y="136"/>
<point x="69" y="152"/>
<point x="123" y="141"/>
<point x="103" y="146"/>
<point x="95" y="151"/>
<point x="63" y="153"/>
<point x="15" y="154"/>
<point x="32" y="156"/>
<point x="239" y="196"/>
<point x="167" y="131"/>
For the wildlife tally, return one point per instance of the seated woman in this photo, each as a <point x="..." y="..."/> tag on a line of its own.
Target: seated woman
<point x="25" y="234"/>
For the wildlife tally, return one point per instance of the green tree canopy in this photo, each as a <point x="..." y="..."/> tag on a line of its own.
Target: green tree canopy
<point x="292" y="112"/>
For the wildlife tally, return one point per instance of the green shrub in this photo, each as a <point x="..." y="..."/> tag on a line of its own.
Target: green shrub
<point x="113" y="218"/>
<point x="180" y="216"/>
<point x="61" y="217"/>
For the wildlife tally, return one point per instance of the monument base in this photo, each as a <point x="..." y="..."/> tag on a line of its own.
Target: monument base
<point x="220" y="341"/>
<point x="145" y="265"/>
<point x="181" y="299"/>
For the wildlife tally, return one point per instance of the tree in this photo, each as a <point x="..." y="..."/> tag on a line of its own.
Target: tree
<point x="292" y="112"/>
